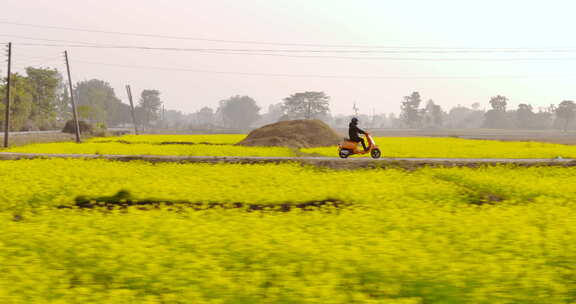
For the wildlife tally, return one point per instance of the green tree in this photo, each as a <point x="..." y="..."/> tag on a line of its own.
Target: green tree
<point x="566" y="111"/>
<point x="86" y="112"/>
<point x="20" y="105"/>
<point x="149" y="105"/>
<point x="463" y="117"/>
<point x="433" y="115"/>
<point x="499" y="103"/>
<point x="274" y="114"/>
<point x="63" y="105"/>
<point x="496" y="117"/>
<point x="543" y="119"/>
<point x="410" y="114"/>
<point x="44" y="87"/>
<point x="99" y="103"/>
<point x="205" y="116"/>
<point x="307" y="105"/>
<point x="239" y="111"/>
<point x="175" y="119"/>
<point x="525" y="117"/>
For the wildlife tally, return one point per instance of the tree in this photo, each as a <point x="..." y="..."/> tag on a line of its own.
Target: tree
<point x="380" y="121"/>
<point x="463" y="117"/>
<point x="307" y="105"/>
<point x="496" y="117"/>
<point x="410" y="114"/>
<point x="341" y="121"/>
<point x="205" y="116"/>
<point x="176" y="119"/>
<point x="499" y="103"/>
<point x="543" y="119"/>
<point x="44" y="87"/>
<point x="239" y="111"/>
<point x="394" y="122"/>
<point x="21" y="105"/>
<point x="86" y="112"/>
<point x="149" y="106"/>
<point x="275" y="112"/>
<point x="525" y="117"/>
<point x="566" y="111"/>
<point x="63" y="105"/>
<point x="98" y="103"/>
<point x="433" y="115"/>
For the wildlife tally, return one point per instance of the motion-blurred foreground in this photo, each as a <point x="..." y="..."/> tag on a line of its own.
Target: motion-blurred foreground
<point x="284" y="233"/>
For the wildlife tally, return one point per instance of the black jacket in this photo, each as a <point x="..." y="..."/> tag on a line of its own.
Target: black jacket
<point x="354" y="132"/>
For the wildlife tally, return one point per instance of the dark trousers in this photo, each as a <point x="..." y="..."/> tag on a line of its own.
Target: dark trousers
<point x="360" y="140"/>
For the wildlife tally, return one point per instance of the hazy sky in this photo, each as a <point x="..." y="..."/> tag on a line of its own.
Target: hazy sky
<point x="421" y="24"/>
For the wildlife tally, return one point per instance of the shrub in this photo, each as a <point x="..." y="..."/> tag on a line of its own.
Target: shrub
<point x="70" y="128"/>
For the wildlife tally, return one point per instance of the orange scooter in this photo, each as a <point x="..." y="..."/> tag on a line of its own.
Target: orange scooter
<point x="348" y="147"/>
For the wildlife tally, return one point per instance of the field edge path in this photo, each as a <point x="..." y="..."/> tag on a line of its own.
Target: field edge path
<point x="332" y="162"/>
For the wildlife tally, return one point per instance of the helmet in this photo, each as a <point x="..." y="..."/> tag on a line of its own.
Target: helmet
<point x="354" y="120"/>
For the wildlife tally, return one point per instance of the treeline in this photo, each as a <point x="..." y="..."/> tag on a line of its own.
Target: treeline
<point x="498" y="115"/>
<point x="99" y="105"/>
<point x="414" y="114"/>
<point x="242" y="112"/>
<point x="41" y="101"/>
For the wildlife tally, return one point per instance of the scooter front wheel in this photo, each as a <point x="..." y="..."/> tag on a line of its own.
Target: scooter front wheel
<point x="375" y="153"/>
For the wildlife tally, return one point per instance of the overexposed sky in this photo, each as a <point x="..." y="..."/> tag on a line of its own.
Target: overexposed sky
<point x="535" y="77"/>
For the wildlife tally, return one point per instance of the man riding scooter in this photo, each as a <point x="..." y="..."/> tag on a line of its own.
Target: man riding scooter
<point x="350" y="145"/>
<point x="354" y="133"/>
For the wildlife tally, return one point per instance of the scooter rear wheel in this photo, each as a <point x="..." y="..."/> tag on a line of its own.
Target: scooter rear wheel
<point x="375" y="153"/>
<point x="344" y="153"/>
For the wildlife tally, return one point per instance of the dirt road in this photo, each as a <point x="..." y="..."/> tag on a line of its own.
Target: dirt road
<point x="332" y="162"/>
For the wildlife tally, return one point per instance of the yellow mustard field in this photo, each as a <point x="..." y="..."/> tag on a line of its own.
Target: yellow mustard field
<point x="438" y="147"/>
<point x="178" y="145"/>
<point x="119" y="148"/>
<point x="459" y="235"/>
<point x="185" y="139"/>
<point x="223" y="145"/>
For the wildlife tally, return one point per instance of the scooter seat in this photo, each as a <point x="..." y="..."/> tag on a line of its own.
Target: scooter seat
<point x="350" y="145"/>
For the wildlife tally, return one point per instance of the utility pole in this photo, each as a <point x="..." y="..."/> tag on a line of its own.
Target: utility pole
<point x="129" y="92"/>
<point x="74" y="112"/>
<point x="356" y="109"/>
<point x="8" y="85"/>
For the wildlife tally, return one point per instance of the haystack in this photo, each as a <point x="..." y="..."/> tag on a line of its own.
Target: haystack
<point x="294" y="134"/>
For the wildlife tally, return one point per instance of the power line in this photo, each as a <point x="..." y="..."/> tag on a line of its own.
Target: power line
<point x="387" y="51"/>
<point x="37" y="57"/>
<point x="26" y="51"/>
<point x="43" y="39"/>
<point x="35" y="60"/>
<point x="396" y="58"/>
<point x="359" y="77"/>
<point x="234" y="52"/>
<point x="168" y="36"/>
<point x="317" y="76"/>
<point x="51" y="27"/>
<point x="179" y="69"/>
